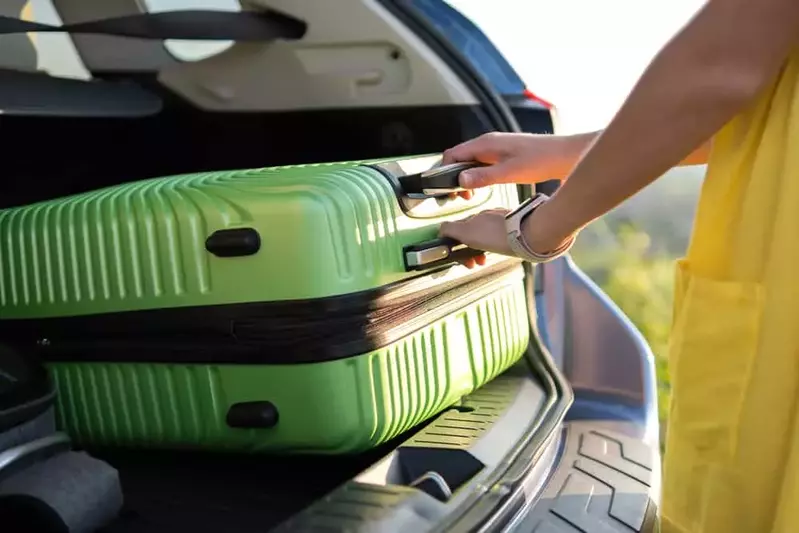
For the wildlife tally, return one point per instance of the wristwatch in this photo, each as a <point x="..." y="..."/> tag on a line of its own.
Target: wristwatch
<point x="513" y="227"/>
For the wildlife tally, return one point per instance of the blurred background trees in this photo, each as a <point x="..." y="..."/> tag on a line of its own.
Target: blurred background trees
<point x="630" y="253"/>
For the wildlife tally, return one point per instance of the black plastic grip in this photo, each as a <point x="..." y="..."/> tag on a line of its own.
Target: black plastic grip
<point x="437" y="252"/>
<point x="235" y="242"/>
<point x="252" y="415"/>
<point x="439" y="180"/>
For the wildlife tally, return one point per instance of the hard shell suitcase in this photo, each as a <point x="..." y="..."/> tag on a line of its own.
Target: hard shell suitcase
<point x="295" y="309"/>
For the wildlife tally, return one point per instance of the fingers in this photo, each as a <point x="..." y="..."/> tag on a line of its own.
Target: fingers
<point x="482" y="148"/>
<point x="464" y="230"/>
<point x="454" y="230"/>
<point x="485" y="150"/>
<point x="474" y="178"/>
<point x="484" y="231"/>
<point x="460" y="153"/>
<point x="460" y="231"/>
<point x="472" y="262"/>
<point x="466" y="195"/>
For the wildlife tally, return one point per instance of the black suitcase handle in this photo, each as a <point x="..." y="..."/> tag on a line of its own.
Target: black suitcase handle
<point x="437" y="252"/>
<point x="437" y="181"/>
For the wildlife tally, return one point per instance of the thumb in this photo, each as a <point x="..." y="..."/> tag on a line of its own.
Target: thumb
<point x="474" y="178"/>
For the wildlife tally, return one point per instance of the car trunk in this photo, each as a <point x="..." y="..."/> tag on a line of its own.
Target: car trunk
<point x="200" y="492"/>
<point x="503" y="454"/>
<point x="486" y="451"/>
<point x="207" y="492"/>
<point x="54" y="156"/>
<point x="468" y="447"/>
<point x="164" y="491"/>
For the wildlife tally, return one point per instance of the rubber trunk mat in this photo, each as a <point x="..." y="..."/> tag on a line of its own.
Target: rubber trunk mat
<point x="211" y="492"/>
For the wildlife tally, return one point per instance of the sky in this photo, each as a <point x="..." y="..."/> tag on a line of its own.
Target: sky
<point x="583" y="55"/>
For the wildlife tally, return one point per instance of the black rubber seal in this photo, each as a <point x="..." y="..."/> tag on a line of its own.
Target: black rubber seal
<point x="494" y="509"/>
<point x="493" y="103"/>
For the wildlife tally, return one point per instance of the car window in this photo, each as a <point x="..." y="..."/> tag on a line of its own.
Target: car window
<point x="193" y="50"/>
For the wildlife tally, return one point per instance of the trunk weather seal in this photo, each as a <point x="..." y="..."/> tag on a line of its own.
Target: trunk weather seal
<point x="492" y="101"/>
<point x="504" y="487"/>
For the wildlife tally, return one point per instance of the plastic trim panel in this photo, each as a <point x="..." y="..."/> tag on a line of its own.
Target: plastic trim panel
<point x="605" y="482"/>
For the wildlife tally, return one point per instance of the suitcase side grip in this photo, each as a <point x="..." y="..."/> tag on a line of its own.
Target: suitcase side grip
<point x="437" y="252"/>
<point x="235" y="242"/>
<point x="252" y="415"/>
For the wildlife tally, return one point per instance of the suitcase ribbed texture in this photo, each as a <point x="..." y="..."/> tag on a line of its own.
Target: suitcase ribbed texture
<point x="324" y="234"/>
<point x="142" y="245"/>
<point x="360" y="401"/>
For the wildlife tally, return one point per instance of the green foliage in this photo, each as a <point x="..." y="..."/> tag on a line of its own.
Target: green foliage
<point x="630" y="253"/>
<point x="639" y="280"/>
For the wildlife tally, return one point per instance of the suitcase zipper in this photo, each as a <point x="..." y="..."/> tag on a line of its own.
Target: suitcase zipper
<point x="438" y="307"/>
<point x="269" y="337"/>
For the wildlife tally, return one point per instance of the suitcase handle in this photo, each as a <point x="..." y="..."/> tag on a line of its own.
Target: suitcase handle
<point x="437" y="252"/>
<point x="438" y="181"/>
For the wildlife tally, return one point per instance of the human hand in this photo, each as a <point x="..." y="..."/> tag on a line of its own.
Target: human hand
<point x="520" y="158"/>
<point x="483" y="231"/>
<point x="487" y="231"/>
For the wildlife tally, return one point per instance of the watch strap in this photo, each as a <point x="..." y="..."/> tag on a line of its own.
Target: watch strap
<point x="516" y="241"/>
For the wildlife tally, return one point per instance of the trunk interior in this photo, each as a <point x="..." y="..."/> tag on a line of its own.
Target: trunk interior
<point x="53" y="156"/>
<point x="207" y="492"/>
<point x="212" y="492"/>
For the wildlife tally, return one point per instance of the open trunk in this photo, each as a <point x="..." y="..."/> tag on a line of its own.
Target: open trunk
<point x="503" y="454"/>
<point x="55" y="156"/>
<point x="416" y="481"/>
<point x="396" y="485"/>
<point x="201" y="492"/>
<point x="434" y="475"/>
<point x="500" y="455"/>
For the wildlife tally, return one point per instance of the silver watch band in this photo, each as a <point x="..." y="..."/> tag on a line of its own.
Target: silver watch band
<point x="516" y="241"/>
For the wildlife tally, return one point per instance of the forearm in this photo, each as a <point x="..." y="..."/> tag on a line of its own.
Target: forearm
<point x="694" y="86"/>
<point x="699" y="156"/>
<point x="584" y="141"/>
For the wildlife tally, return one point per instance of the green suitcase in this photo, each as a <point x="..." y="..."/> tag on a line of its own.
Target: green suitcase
<point x="304" y="309"/>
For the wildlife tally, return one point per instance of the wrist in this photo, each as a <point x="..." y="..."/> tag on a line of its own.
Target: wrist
<point x="542" y="231"/>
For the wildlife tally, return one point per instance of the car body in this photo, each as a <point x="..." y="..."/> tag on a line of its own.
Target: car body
<point x="565" y="441"/>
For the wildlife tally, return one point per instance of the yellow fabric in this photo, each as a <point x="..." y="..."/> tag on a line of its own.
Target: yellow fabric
<point x="732" y="451"/>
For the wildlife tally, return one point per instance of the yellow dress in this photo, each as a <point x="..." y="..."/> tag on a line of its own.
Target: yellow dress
<point x="732" y="451"/>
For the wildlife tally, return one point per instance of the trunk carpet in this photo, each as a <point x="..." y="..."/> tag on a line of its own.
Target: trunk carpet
<point x="204" y="492"/>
